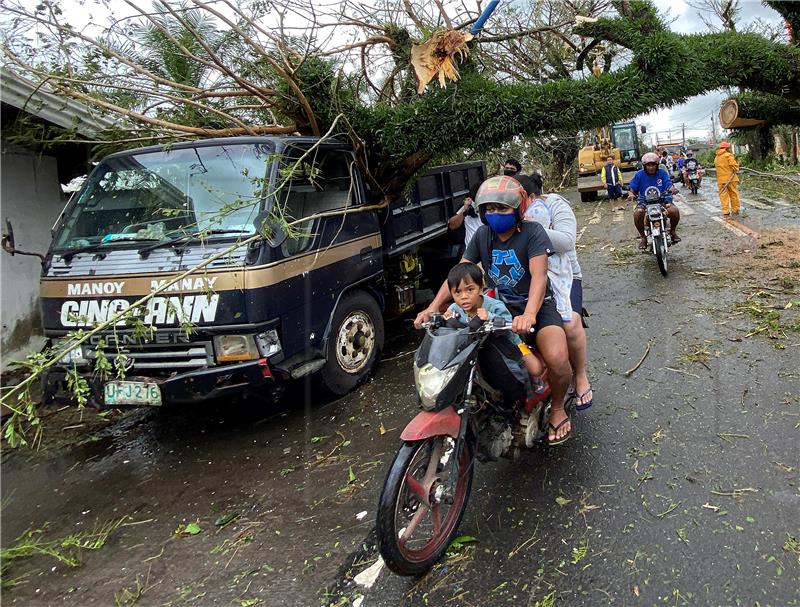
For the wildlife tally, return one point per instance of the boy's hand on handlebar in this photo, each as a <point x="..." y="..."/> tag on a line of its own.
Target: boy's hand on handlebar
<point x="523" y="323"/>
<point x="422" y="317"/>
<point x="482" y="313"/>
<point x="448" y="314"/>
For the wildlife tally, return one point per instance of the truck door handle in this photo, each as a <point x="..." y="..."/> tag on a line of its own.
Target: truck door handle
<point x="366" y="253"/>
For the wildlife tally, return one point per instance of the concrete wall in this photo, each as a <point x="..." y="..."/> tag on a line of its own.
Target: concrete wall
<point x="30" y="197"/>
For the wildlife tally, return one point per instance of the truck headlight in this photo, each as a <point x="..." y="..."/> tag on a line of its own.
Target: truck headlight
<point x="268" y="343"/>
<point x="235" y="348"/>
<point x="431" y="381"/>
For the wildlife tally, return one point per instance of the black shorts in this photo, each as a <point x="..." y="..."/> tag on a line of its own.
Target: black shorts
<point x="576" y="295"/>
<point x="548" y="316"/>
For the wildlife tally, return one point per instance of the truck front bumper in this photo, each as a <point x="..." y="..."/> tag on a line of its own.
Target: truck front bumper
<point x="193" y="386"/>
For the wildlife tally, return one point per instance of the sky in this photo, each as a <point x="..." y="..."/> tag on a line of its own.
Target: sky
<point x="696" y="113"/>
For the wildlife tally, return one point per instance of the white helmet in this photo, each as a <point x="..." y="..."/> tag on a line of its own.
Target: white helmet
<point x="650" y="158"/>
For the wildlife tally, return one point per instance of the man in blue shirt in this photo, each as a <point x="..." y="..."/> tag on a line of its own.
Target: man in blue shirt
<point x="652" y="175"/>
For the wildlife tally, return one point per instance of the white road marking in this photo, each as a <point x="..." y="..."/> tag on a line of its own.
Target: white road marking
<point x="595" y="218"/>
<point x="711" y="208"/>
<point x="781" y="203"/>
<point x="733" y="229"/>
<point x="683" y="206"/>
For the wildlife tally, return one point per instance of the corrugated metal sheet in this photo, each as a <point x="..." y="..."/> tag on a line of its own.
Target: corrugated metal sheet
<point x="61" y="111"/>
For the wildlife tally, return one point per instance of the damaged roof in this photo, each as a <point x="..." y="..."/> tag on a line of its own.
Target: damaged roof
<point x="36" y="100"/>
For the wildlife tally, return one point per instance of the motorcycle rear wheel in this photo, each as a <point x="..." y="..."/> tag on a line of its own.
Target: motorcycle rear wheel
<point x="661" y="254"/>
<point x="414" y="528"/>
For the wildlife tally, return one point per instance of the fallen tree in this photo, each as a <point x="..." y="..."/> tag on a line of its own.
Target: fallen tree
<point x="406" y="87"/>
<point x="238" y="77"/>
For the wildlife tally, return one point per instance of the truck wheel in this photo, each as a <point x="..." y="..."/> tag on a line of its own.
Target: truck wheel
<point x="586" y="197"/>
<point x="354" y="344"/>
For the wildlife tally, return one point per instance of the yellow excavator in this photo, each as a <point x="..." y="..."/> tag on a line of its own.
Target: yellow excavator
<point x="620" y="141"/>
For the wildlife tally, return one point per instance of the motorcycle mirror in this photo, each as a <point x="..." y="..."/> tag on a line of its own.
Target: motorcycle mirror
<point x="644" y="129"/>
<point x="437" y="320"/>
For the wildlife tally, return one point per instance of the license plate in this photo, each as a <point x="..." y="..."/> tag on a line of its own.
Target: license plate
<point x="132" y="393"/>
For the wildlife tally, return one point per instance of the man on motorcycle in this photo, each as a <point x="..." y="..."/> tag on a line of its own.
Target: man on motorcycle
<point x="692" y="165"/>
<point x="652" y="175"/>
<point x="513" y="254"/>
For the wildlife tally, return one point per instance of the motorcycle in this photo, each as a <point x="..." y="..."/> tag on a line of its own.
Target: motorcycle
<point x="657" y="228"/>
<point x="692" y="176"/>
<point x="428" y="484"/>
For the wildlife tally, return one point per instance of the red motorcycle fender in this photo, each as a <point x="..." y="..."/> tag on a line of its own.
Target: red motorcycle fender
<point x="428" y="423"/>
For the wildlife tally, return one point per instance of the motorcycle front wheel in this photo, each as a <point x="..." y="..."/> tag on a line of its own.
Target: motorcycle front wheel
<point x="661" y="253"/>
<point x="416" y="522"/>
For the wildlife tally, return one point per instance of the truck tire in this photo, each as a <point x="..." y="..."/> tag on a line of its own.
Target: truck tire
<point x="354" y="344"/>
<point x="588" y="196"/>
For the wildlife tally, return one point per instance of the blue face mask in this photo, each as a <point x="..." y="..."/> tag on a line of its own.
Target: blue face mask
<point x="501" y="222"/>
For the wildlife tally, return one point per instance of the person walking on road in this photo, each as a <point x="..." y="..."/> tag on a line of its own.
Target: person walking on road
<point x="727" y="179"/>
<point x="611" y="177"/>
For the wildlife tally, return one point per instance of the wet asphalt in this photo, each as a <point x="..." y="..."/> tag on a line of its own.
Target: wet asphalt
<point x="678" y="487"/>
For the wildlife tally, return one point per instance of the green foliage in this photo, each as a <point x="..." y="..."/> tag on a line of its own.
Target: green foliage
<point x="66" y="550"/>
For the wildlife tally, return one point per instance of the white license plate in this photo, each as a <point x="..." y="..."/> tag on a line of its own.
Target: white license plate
<point x="132" y="393"/>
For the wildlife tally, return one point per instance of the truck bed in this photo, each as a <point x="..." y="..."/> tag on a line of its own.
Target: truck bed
<point x="435" y="197"/>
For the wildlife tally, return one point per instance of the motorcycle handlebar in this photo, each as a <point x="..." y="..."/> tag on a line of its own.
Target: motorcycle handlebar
<point x="488" y="327"/>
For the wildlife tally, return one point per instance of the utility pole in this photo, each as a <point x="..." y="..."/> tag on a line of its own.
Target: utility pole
<point x="683" y="135"/>
<point x="713" y="130"/>
<point x="794" y="146"/>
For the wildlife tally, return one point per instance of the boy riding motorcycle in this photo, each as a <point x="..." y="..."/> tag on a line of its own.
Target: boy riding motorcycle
<point x="513" y="254"/>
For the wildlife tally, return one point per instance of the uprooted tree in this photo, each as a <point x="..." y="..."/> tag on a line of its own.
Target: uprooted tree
<point x="201" y="69"/>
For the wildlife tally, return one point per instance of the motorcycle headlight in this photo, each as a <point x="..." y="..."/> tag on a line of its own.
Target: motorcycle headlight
<point x="431" y="381"/>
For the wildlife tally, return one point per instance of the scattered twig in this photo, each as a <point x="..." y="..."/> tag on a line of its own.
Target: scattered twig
<point x="682" y="371"/>
<point x="727" y="436"/>
<point x="641" y="360"/>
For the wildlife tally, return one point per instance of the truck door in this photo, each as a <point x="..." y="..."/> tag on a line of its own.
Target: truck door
<point x="325" y="255"/>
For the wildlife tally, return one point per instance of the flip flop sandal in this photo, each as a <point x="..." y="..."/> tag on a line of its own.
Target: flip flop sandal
<point x="564" y="438"/>
<point x="579" y="404"/>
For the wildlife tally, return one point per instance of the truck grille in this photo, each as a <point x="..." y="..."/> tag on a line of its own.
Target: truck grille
<point x="165" y="357"/>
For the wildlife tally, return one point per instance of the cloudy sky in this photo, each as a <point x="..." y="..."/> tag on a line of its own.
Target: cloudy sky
<point x="696" y="113"/>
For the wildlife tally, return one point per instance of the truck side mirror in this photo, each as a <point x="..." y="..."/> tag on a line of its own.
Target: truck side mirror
<point x="9" y="245"/>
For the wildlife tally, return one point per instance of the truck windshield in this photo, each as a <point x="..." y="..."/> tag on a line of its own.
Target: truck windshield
<point x="159" y="195"/>
<point x="624" y="138"/>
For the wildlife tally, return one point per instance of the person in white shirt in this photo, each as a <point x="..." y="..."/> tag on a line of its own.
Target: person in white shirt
<point x="467" y="216"/>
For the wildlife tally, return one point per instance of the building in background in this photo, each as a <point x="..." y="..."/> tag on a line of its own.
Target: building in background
<point x="31" y="196"/>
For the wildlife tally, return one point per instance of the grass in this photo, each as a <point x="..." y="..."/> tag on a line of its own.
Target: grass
<point x="770" y="189"/>
<point x="66" y="550"/>
<point x="696" y="353"/>
<point x="130" y="596"/>
<point x="792" y="545"/>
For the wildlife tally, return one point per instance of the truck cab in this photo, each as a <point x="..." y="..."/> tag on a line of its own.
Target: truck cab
<point x="168" y="223"/>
